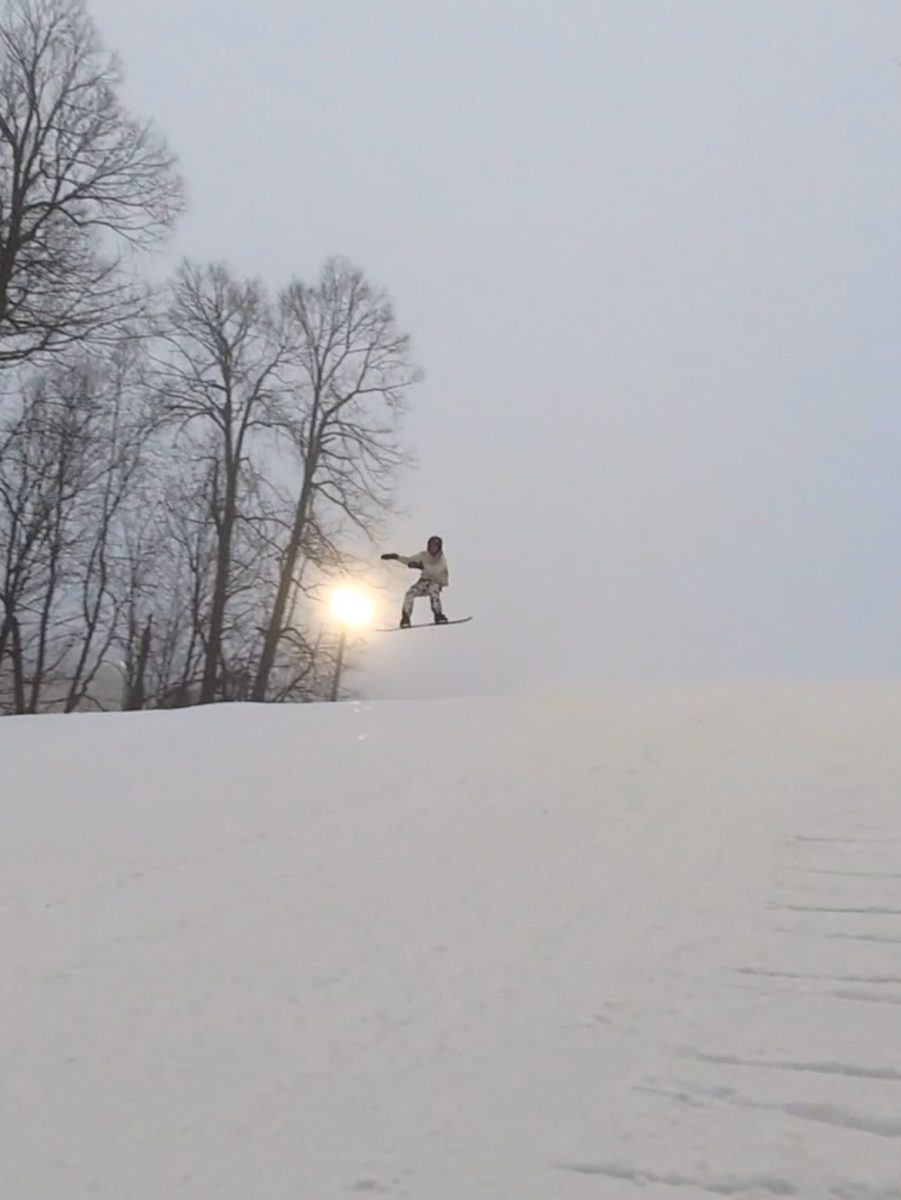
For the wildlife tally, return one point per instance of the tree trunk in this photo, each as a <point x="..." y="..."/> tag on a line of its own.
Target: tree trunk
<point x="17" y="663"/>
<point x="37" y="679"/>
<point x="136" y="696"/>
<point x="213" y="649"/>
<point x="277" y="616"/>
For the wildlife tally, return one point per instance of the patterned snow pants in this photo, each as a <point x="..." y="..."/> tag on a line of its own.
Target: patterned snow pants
<point x="423" y="587"/>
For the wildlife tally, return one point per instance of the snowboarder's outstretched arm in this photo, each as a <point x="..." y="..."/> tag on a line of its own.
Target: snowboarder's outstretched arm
<point x="413" y="560"/>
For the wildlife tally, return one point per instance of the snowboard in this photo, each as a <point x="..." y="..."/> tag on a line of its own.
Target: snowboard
<point x="423" y="625"/>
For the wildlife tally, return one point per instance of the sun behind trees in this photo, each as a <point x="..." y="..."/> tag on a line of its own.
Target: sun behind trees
<point x="181" y="470"/>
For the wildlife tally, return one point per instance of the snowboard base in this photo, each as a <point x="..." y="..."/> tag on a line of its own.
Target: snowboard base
<point x="423" y="625"/>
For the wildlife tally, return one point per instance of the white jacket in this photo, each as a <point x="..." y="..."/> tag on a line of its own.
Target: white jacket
<point x="434" y="566"/>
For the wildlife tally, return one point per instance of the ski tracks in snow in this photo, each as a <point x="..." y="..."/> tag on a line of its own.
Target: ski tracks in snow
<point x="796" y="1033"/>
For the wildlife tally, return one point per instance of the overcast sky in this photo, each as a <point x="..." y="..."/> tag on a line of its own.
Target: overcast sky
<point x="649" y="252"/>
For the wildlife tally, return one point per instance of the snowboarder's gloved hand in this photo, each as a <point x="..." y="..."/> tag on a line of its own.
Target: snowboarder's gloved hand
<point x="415" y="566"/>
<point x="387" y="557"/>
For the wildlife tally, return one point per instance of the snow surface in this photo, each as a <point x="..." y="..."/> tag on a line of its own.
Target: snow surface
<point x="579" y="946"/>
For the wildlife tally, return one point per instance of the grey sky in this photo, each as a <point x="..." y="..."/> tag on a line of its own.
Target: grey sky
<point x="650" y="255"/>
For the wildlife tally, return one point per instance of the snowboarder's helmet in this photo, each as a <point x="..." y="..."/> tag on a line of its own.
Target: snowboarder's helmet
<point x="435" y="545"/>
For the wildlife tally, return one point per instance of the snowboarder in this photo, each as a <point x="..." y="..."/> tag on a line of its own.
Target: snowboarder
<point x="434" y="577"/>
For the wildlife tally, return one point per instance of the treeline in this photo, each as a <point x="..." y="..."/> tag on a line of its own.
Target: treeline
<point x="181" y="469"/>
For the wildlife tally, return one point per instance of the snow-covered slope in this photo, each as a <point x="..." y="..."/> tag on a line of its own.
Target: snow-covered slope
<point x="579" y="946"/>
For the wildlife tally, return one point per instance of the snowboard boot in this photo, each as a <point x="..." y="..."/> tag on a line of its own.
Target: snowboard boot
<point x="404" y="621"/>
<point x="440" y="619"/>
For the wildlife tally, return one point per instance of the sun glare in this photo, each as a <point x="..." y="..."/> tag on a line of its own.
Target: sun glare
<point x="351" y="607"/>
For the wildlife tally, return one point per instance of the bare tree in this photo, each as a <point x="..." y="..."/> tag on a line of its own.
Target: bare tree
<point x="103" y="514"/>
<point x="41" y="470"/>
<point x="352" y="375"/>
<point x="39" y="463"/>
<point x="72" y="451"/>
<point x="81" y="182"/>
<point x="168" y="560"/>
<point x="221" y="376"/>
<point x="166" y="571"/>
<point x="23" y="523"/>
